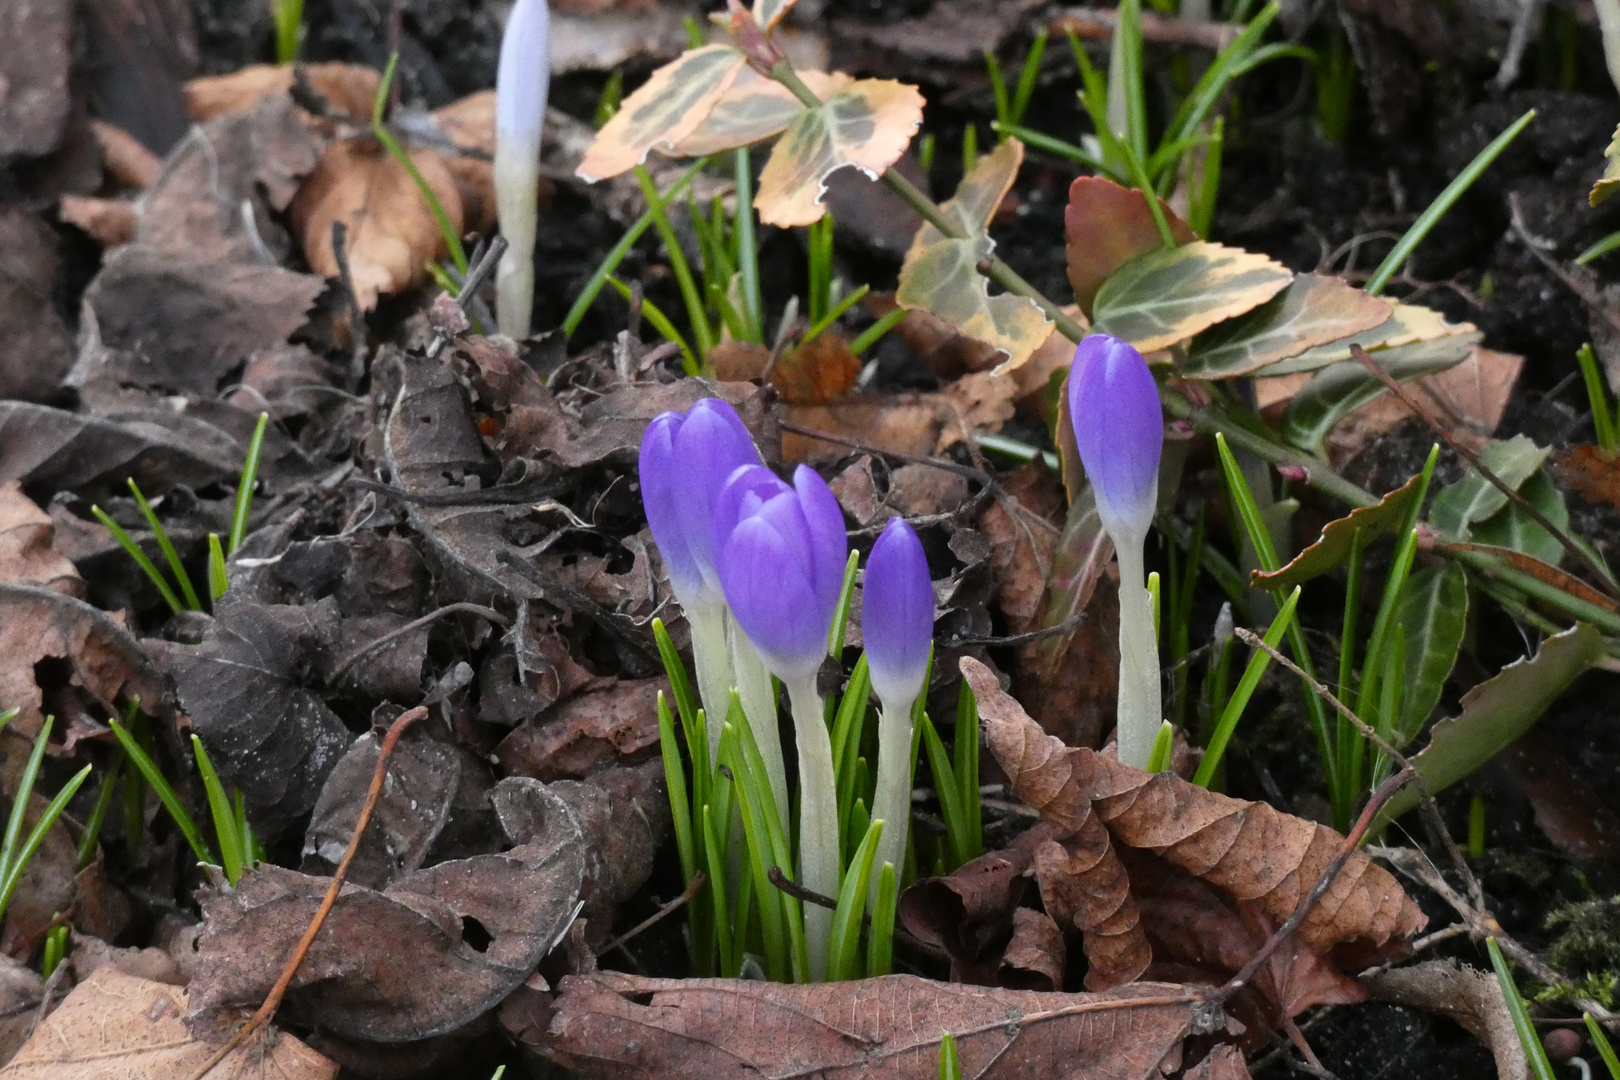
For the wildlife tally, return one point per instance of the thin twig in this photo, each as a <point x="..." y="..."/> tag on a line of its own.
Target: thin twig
<point x="272" y="1000"/>
<point x="1067" y="626"/>
<point x="699" y="879"/>
<point x="416" y="624"/>
<point x="799" y="892"/>
<point x="1479" y="466"/>
<point x="914" y="459"/>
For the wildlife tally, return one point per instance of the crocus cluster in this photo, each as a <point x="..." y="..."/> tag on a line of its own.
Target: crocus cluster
<point x="747" y="550"/>
<point x="522" y="80"/>
<point x="1119" y="430"/>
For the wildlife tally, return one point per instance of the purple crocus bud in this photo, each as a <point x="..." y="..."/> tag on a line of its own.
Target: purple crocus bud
<point x="1119" y="428"/>
<point x="897" y="615"/>
<point x="659" y="495"/>
<point x="781" y="559"/>
<point x="712" y="444"/>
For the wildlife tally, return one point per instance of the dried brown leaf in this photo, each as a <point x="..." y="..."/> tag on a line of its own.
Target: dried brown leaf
<point x="1589" y="472"/>
<point x="587" y="733"/>
<point x="1249" y="851"/>
<point x="1470" y="997"/>
<point x="968" y="914"/>
<point x="115" y="1026"/>
<point x="110" y="222"/>
<point x="879" y="1029"/>
<point x="128" y="162"/>
<point x="26" y="555"/>
<point x="36" y="61"/>
<point x="818" y="371"/>
<point x="1107" y="225"/>
<point x="908" y="425"/>
<point x="348" y="87"/>
<point x="392" y="231"/>
<point x="980" y="401"/>
<point x="37" y="349"/>
<point x="1084" y="886"/>
<point x="1036" y="955"/>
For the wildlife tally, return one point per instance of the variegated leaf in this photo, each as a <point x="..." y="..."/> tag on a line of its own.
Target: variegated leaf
<point x="1407" y="324"/>
<point x="867" y="124"/>
<point x="754" y="109"/>
<point x="1611" y="173"/>
<point x="1168" y="295"/>
<point x="664" y="111"/>
<point x="940" y="273"/>
<point x="1312" y="311"/>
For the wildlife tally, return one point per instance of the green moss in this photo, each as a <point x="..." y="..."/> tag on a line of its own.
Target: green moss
<point x="1587" y="948"/>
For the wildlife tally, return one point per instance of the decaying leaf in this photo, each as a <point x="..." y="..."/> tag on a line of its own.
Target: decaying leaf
<point x="1498" y="711"/>
<point x="968" y="914"/>
<point x="910" y="424"/>
<point x="38" y="348"/>
<point x="103" y="660"/>
<point x="818" y="371"/>
<point x="35" y="74"/>
<point x="667" y="108"/>
<point x="587" y="733"/>
<point x="1084" y="886"/>
<point x="867" y="124"/>
<point x="1250" y="852"/>
<point x="115" y="1026"/>
<point x="266" y="732"/>
<point x="882" y="1029"/>
<point x="939" y="273"/>
<point x="1312" y="311"/>
<point x="350" y="88"/>
<point x="1611" y="172"/>
<point x="391" y="966"/>
<point x="754" y="108"/>
<point x="1589" y="472"/>
<point x="1107" y="225"/>
<point x="26" y="555"/>
<point x="1169" y="294"/>
<point x="392" y="231"/>
<point x="1471" y="997"/>
<point x="1332" y="548"/>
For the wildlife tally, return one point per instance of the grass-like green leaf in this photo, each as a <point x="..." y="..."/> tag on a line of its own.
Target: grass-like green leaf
<point x="232" y="848"/>
<point x="1540" y="1067"/>
<point x="244" y="487"/>
<point x="166" y="794"/>
<point x="844" y="952"/>
<point x="1239" y="700"/>
<point x="166" y="546"/>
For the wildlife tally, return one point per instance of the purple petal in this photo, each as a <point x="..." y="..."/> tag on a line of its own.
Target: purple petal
<point x="897" y="614"/>
<point x="771" y="597"/>
<point x="1119" y="428"/>
<point x="523" y="74"/>
<point x="713" y="443"/>
<point x="659" y="497"/>
<point x="829" y="542"/>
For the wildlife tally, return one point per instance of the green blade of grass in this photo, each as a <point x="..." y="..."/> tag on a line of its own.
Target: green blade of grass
<point x="998" y="87"/>
<point x="720" y="910"/>
<point x="872" y="334"/>
<point x="1041" y="141"/>
<point x="166" y="546"/>
<point x="1598" y="396"/>
<point x="771" y="901"/>
<point x="1245" y="689"/>
<point x="1164" y="745"/>
<point x="610" y="262"/>
<point x="1599" y="249"/>
<point x="848" y="723"/>
<point x="880" y="935"/>
<point x="837" y="312"/>
<point x="244" y="488"/>
<point x="19" y="804"/>
<point x="675" y="781"/>
<point x="840" y="622"/>
<point x="219" y="581"/>
<point x="1443" y="202"/>
<point x="15" y="868"/>
<point x="967" y="770"/>
<point x="947" y="789"/>
<point x="219" y="804"/>
<point x="702" y="332"/>
<point x="166" y="794"/>
<point x="134" y="551"/>
<point x="1605" y="1048"/>
<point x="844" y="956"/>
<point x="379" y="130"/>
<point x="949" y="1067"/>
<point x="98" y="814"/>
<point x="1027" y="77"/>
<point x="1540" y="1067"/>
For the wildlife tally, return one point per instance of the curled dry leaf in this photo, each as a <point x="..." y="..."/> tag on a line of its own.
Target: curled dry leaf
<point x="349" y="88"/>
<point x="868" y="124"/>
<point x="392" y="231"/>
<point x="587" y="733"/>
<point x="1589" y="472"/>
<point x="1106" y="226"/>
<point x="614" y="1026"/>
<point x="26" y="554"/>
<point x="1036" y="954"/>
<point x="115" y="1026"/>
<point x="1333" y="546"/>
<point x="1250" y="852"/>
<point x="968" y="913"/>
<point x="940" y="275"/>
<point x="818" y="371"/>
<point x="667" y="108"/>
<point x="1084" y="885"/>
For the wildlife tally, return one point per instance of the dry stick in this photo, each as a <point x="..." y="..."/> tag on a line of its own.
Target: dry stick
<point x="699" y="879"/>
<point x="1427" y="806"/>
<point x="272" y="1000"/>
<point x="913" y="459"/>
<point x="797" y="891"/>
<point x="416" y="624"/>
<point x="1479" y="466"/>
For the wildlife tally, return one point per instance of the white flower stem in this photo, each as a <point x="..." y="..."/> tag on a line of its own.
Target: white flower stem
<point x="818" y="817"/>
<point x="713" y="662"/>
<point x="517" y="181"/>
<point x="891" y="800"/>
<point x="1608" y="13"/>
<point x="1140" y="708"/>
<point x="758" y="695"/>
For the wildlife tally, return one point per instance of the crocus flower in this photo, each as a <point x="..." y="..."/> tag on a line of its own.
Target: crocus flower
<point x="685" y="459"/>
<point x="781" y="558"/>
<point x="897" y="624"/>
<point x="522" y="80"/>
<point x="1119" y="430"/>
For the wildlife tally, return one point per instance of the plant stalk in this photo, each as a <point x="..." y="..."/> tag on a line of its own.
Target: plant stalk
<point x="818" y="817"/>
<point x="1141" y="709"/>
<point x="891" y="799"/>
<point x="710" y="656"/>
<point x="758" y="694"/>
